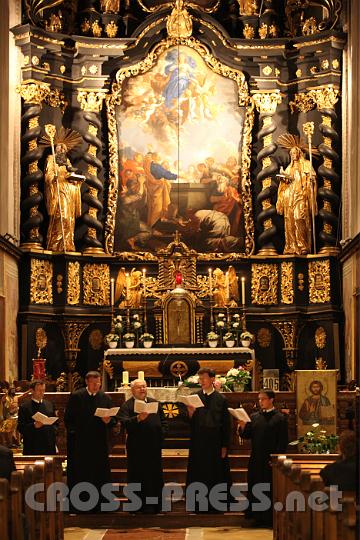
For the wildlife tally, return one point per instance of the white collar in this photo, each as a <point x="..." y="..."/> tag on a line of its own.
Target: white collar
<point x="37" y="400"/>
<point x="268" y="410"/>
<point x="208" y="392"/>
<point x="90" y="393"/>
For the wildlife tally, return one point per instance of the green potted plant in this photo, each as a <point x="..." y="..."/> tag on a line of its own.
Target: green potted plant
<point x="212" y="338"/>
<point x="112" y="340"/>
<point x="237" y="378"/>
<point x="147" y="340"/>
<point x="246" y="338"/>
<point x="316" y="441"/>
<point x="229" y="339"/>
<point x="129" y="340"/>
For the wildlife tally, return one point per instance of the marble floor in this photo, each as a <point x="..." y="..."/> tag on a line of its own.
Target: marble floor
<point x="193" y="533"/>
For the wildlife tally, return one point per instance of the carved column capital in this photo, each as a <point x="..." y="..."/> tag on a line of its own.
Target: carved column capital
<point x="303" y="102"/>
<point x="267" y="102"/>
<point x="91" y="101"/>
<point x="325" y="97"/>
<point x="33" y="92"/>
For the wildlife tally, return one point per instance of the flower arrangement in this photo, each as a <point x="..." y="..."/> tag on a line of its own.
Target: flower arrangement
<point x="192" y="382"/>
<point x="118" y="324"/>
<point x="229" y="337"/>
<point x="212" y="336"/>
<point x="237" y="376"/>
<point x="146" y="337"/>
<point x="129" y="336"/>
<point x="316" y="441"/>
<point x="109" y="338"/>
<point x="136" y="324"/>
<point x="247" y="336"/>
<point x="220" y="384"/>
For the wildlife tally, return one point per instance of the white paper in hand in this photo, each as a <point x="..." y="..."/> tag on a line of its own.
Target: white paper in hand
<point x="142" y="406"/>
<point x="192" y="401"/>
<point x="240" y="414"/>
<point x="46" y="420"/>
<point x="105" y="413"/>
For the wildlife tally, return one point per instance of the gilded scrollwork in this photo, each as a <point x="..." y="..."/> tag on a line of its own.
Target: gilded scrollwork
<point x="115" y="99"/>
<point x="287" y="283"/>
<point x="289" y="331"/>
<point x="303" y="102"/>
<point x="319" y="281"/>
<point x="179" y="23"/>
<point x="264" y="284"/>
<point x="267" y="102"/>
<point x="73" y="283"/>
<point x="96" y="288"/>
<point x="41" y="282"/>
<point x="325" y="97"/>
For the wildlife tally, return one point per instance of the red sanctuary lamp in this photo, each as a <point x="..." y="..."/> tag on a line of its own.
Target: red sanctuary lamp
<point x="178" y="278"/>
<point x="39" y="371"/>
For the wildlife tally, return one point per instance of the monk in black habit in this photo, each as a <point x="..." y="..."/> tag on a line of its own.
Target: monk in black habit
<point x="268" y="431"/>
<point x="87" y="436"/>
<point x="209" y="440"/>
<point x="38" y="439"/>
<point x="145" y="436"/>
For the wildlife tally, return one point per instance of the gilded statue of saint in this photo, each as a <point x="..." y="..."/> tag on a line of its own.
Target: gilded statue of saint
<point x="62" y="188"/>
<point x="297" y="200"/>
<point x="110" y="6"/>
<point x="63" y="200"/>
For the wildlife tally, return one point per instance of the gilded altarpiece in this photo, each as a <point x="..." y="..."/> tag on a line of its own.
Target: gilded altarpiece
<point x="179" y="137"/>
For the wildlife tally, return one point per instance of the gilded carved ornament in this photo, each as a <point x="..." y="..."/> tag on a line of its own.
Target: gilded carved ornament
<point x="179" y="23"/>
<point x="263" y="337"/>
<point x="72" y="332"/>
<point x="319" y="281"/>
<point x="91" y="101"/>
<point x="264" y="284"/>
<point x="96" y="284"/>
<point x="320" y="337"/>
<point x="266" y="102"/>
<point x="41" y="282"/>
<point x="33" y="92"/>
<point x="303" y="103"/>
<point x="287" y="279"/>
<point x="73" y="283"/>
<point x="40" y="339"/>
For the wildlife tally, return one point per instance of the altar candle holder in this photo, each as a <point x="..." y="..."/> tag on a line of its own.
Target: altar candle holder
<point x="144" y="303"/>
<point x="112" y="289"/>
<point x="211" y="301"/>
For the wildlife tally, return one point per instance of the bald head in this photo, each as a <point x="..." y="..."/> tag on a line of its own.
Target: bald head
<point x="138" y="389"/>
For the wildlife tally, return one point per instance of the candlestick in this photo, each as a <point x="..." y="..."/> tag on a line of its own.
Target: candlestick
<point x="210" y="281"/>
<point x="125" y="377"/>
<point x="144" y="281"/>
<point x="112" y="290"/>
<point x="141" y="376"/>
<point x="243" y="291"/>
<point x="127" y="285"/>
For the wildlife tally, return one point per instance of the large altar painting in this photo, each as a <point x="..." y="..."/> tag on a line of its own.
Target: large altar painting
<point x="180" y="146"/>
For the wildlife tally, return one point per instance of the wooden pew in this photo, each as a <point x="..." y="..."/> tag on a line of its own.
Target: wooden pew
<point x="302" y="475"/>
<point x="4" y="509"/>
<point x="17" y="502"/>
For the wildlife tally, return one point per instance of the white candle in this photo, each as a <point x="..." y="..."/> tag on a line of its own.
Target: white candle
<point x="125" y="377"/>
<point x="210" y="281"/>
<point x="243" y="291"/>
<point x="141" y="376"/>
<point x="112" y="289"/>
<point x="144" y="281"/>
<point x="227" y="285"/>
<point x="127" y="285"/>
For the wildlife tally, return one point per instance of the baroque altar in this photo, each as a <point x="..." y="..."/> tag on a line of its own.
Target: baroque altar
<point x="206" y="151"/>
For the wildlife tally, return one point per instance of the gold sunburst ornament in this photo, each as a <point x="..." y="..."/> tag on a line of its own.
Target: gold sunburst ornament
<point x="66" y="136"/>
<point x="288" y="141"/>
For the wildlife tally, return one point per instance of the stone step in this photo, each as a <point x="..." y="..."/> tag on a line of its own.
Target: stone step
<point x="176" y="475"/>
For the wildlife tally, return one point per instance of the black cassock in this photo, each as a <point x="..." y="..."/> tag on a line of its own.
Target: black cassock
<point x="268" y="432"/>
<point x="143" y="445"/>
<point x="37" y="441"/>
<point x="210" y="432"/>
<point x="87" y="439"/>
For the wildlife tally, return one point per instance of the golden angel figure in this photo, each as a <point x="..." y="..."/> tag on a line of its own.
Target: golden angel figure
<point x="219" y="288"/>
<point x="297" y="197"/>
